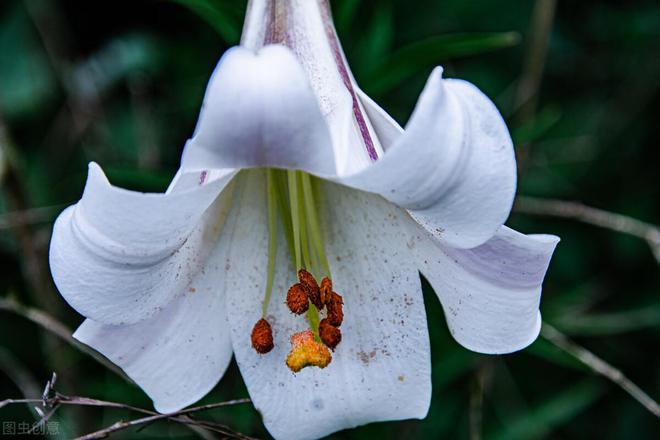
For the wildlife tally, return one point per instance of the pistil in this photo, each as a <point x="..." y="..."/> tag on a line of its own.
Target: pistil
<point x="293" y="194"/>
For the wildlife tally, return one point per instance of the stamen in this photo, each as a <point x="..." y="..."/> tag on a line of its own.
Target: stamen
<point x="312" y="287"/>
<point x="297" y="299"/>
<point x="262" y="337"/>
<point x="326" y="290"/>
<point x="306" y="352"/>
<point x="335" y="309"/>
<point x="330" y="335"/>
<point x="294" y="193"/>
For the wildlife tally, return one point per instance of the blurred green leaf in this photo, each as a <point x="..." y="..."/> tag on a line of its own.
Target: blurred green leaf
<point x="137" y="179"/>
<point x="224" y="16"/>
<point x="344" y="15"/>
<point x="610" y="323"/>
<point x="25" y="72"/>
<point x="422" y="54"/>
<point x="376" y="40"/>
<point x="453" y="364"/>
<point x="536" y="128"/>
<point x="553" y="412"/>
<point x="121" y="57"/>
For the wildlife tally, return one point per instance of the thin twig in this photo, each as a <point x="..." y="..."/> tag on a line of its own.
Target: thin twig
<point x="597" y="217"/>
<point x="535" y="57"/>
<point x="476" y="406"/>
<point x="58" y="329"/>
<point x="19" y="374"/>
<point x="599" y="366"/>
<point x="526" y="99"/>
<point x="44" y="419"/>
<point x="52" y="400"/>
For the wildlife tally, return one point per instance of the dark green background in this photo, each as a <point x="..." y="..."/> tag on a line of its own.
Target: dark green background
<point x="121" y="83"/>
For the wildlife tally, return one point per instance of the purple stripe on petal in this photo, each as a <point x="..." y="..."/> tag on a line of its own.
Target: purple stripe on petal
<point x="343" y="71"/>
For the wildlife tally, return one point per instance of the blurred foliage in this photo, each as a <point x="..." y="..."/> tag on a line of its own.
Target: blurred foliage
<point x="120" y="83"/>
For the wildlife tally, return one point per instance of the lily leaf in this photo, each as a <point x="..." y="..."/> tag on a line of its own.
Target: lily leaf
<point x="410" y="59"/>
<point x="553" y="412"/>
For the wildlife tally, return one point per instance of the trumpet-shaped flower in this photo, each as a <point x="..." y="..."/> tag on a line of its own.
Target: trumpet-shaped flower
<point x="293" y="235"/>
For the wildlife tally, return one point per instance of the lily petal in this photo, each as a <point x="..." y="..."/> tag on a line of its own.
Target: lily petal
<point x="306" y="28"/>
<point x="490" y="294"/>
<point x="381" y="369"/>
<point x="259" y="110"/>
<point x="453" y="168"/>
<point x="178" y="355"/>
<point x="119" y="256"/>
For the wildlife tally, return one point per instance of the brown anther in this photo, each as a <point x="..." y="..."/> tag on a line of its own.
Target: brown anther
<point x="329" y="334"/>
<point x="306" y="352"/>
<point x="297" y="299"/>
<point x="335" y="309"/>
<point x="308" y="281"/>
<point x="326" y="290"/>
<point x="262" y="337"/>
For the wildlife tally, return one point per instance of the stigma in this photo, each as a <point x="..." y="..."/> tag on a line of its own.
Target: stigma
<point x="306" y="352"/>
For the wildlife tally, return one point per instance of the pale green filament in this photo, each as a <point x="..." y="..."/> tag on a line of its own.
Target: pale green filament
<point x="295" y="216"/>
<point x="280" y="180"/>
<point x="293" y="193"/>
<point x="310" y="208"/>
<point x="271" y="192"/>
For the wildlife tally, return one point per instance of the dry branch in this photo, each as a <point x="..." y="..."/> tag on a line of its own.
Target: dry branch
<point x="593" y="216"/>
<point x="599" y="366"/>
<point x="51" y="401"/>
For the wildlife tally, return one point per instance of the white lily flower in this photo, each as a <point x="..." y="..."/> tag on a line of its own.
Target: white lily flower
<point x="172" y="284"/>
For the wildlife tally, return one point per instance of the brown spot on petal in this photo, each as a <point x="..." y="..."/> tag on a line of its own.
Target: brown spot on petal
<point x="335" y="309"/>
<point x="326" y="290"/>
<point x="308" y="281"/>
<point x="262" y="337"/>
<point x="330" y="335"/>
<point x="297" y="299"/>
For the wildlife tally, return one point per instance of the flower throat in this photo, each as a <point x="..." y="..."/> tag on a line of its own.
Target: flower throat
<point x="292" y="199"/>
